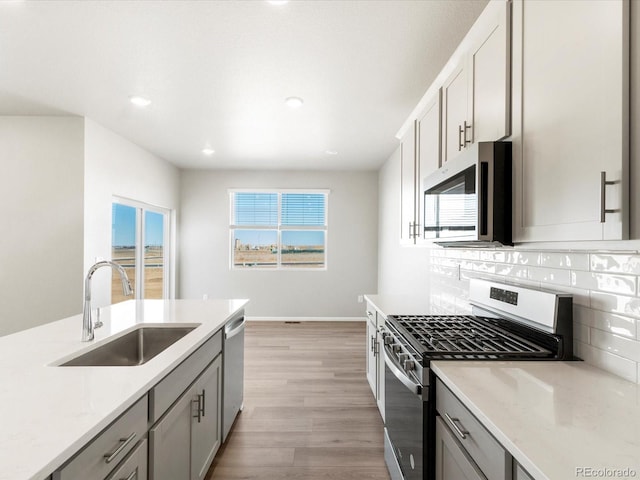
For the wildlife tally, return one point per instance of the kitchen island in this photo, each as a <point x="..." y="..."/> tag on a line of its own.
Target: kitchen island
<point x="48" y="413"/>
<point x="559" y="420"/>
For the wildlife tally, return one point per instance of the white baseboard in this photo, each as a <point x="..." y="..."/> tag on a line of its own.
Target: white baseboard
<point x="306" y="319"/>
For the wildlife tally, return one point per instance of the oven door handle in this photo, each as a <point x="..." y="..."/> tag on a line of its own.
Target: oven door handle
<point x="415" y="388"/>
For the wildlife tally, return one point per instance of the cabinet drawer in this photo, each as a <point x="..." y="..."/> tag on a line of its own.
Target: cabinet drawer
<point x="162" y="396"/>
<point x="489" y="455"/>
<point x="134" y="467"/>
<point x="104" y="452"/>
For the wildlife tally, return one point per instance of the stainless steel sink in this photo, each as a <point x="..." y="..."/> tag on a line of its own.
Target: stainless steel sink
<point x="134" y="348"/>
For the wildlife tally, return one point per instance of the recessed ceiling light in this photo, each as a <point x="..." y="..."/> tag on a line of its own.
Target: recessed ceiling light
<point x="208" y="151"/>
<point x="139" y="101"/>
<point x="293" y="102"/>
<point x="331" y="152"/>
<point x="277" y="2"/>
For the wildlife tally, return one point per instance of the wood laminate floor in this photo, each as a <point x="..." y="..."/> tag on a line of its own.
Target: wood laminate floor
<point x="308" y="410"/>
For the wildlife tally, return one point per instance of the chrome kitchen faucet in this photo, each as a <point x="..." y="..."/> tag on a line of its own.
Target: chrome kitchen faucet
<point x="87" y="320"/>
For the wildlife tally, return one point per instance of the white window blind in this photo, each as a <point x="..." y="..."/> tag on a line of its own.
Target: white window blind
<point x="278" y="230"/>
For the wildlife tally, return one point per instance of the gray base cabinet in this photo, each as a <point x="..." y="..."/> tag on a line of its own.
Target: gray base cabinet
<point x="464" y="445"/>
<point x="206" y="431"/>
<point x="452" y="462"/>
<point x="170" y="442"/>
<point x="183" y="443"/>
<point x="134" y="467"/>
<point x="103" y="454"/>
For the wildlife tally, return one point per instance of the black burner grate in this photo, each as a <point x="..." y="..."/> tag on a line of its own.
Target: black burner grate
<point x="461" y="336"/>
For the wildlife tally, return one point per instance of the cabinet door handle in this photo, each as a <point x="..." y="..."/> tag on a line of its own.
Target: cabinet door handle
<point x="603" y="196"/>
<point x="416" y="230"/>
<point x="460" y="144"/>
<point x="460" y="430"/>
<point x="204" y="401"/>
<point x="132" y="475"/>
<point x="108" y="457"/>
<point x="373" y="344"/>
<point x="466" y="127"/>
<point x="197" y="402"/>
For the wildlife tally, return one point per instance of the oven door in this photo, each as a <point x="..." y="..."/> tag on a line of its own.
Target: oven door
<point x="405" y="412"/>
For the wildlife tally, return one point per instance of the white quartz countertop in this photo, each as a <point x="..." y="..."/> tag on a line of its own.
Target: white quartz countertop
<point x="555" y="418"/>
<point x="48" y="413"/>
<point x="388" y="304"/>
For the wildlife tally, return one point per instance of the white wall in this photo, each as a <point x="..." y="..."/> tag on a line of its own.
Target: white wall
<point x="115" y="166"/>
<point x="351" y="249"/>
<point x="41" y="192"/>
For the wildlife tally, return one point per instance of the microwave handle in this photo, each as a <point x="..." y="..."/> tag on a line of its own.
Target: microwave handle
<point x="483" y="200"/>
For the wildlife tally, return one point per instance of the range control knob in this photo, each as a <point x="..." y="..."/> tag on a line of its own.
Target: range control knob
<point x="409" y="365"/>
<point x="396" y="348"/>
<point x="388" y="340"/>
<point x="403" y="357"/>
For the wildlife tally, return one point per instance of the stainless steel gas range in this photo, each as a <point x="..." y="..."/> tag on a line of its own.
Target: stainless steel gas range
<point x="507" y="323"/>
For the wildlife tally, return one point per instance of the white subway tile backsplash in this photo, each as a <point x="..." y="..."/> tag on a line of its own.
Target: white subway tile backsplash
<point x="605" y="289"/>
<point x="606" y="282"/>
<point x="580" y="332"/>
<point x="621" y="304"/>
<point x="510" y="270"/>
<point x="470" y="254"/>
<point x="620" y="346"/>
<point x="522" y="258"/>
<point x="554" y="276"/>
<point x="610" y="262"/>
<point x="580" y="296"/>
<point x="493" y="256"/>
<point x="619" y="366"/>
<point x="615" y="324"/>
<point x="573" y="261"/>
<point x="583" y="315"/>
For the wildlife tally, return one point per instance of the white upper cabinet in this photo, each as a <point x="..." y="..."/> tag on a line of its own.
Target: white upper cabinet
<point x="420" y="155"/>
<point x="454" y="113"/>
<point x="476" y="94"/>
<point x="489" y="66"/>
<point x="428" y="156"/>
<point x="570" y="119"/>
<point x="407" y="186"/>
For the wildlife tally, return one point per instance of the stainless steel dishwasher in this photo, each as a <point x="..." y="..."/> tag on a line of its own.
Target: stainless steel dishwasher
<point x="233" y="371"/>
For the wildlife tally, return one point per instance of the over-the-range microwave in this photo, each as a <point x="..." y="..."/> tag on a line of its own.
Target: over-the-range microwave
<point x="467" y="202"/>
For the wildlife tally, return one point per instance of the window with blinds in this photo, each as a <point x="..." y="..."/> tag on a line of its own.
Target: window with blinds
<point x="279" y="229"/>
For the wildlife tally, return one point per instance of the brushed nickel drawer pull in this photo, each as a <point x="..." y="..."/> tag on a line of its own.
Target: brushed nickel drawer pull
<point x="204" y="402"/>
<point x="460" y="144"/>
<point x="603" y="200"/>
<point x="198" y="403"/>
<point x="108" y="457"/>
<point x="463" y="432"/>
<point x="132" y="475"/>
<point x="466" y="127"/>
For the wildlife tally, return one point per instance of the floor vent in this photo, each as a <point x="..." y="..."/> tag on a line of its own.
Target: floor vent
<point x="291" y="322"/>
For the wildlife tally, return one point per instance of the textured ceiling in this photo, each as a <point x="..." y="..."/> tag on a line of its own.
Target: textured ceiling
<point x="218" y="72"/>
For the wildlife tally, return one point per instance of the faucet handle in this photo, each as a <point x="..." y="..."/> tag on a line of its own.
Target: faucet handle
<point x="98" y="322"/>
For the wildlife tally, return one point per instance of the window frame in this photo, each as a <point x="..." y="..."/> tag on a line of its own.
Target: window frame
<point x="279" y="228"/>
<point x="141" y="207"/>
